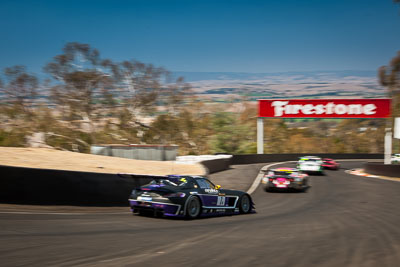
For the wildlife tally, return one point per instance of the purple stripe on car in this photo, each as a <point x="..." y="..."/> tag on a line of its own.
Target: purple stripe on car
<point x="208" y="200"/>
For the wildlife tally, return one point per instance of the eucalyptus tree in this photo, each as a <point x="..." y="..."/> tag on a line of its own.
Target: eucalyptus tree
<point x="145" y="87"/>
<point x="390" y="78"/>
<point x="81" y="77"/>
<point x="140" y="85"/>
<point x="87" y="87"/>
<point x="19" y="89"/>
<point x="83" y="82"/>
<point x="146" y="91"/>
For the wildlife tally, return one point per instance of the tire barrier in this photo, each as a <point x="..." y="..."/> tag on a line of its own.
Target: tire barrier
<point x="58" y="187"/>
<point x="265" y="158"/>
<point x="382" y="169"/>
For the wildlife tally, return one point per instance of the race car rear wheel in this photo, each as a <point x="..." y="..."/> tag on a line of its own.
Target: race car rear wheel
<point x="245" y="204"/>
<point x="193" y="207"/>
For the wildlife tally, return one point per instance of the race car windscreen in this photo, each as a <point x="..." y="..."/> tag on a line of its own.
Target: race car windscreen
<point x="310" y="160"/>
<point x="284" y="173"/>
<point x="171" y="181"/>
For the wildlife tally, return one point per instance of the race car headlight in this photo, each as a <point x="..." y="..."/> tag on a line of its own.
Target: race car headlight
<point x="297" y="179"/>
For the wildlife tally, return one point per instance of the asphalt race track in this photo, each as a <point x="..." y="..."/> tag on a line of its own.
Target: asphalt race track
<point x="343" y="220"/>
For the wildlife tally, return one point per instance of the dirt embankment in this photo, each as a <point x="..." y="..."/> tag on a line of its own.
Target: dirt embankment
<point x="64" y="160"/>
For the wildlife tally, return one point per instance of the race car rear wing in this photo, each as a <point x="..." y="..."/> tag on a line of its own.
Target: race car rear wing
<point x="141" y="179"/>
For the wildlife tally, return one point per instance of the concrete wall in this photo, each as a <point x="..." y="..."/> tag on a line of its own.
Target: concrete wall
<point x="217" y="165"/>
<point x="261" y="158"/>
<point x="44" y="186"/>
<point x="382" y="169"/>
<point x="142" y="152"/>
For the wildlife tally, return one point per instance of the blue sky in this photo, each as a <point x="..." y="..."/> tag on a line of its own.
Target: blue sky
<point x="207" y="36"/>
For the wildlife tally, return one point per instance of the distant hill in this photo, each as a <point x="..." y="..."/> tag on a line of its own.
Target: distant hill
<point x="201" y="76"/>
<point x="217" y="86"/>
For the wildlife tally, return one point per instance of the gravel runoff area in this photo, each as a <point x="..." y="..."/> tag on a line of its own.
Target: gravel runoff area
<point x="44" y="158"/>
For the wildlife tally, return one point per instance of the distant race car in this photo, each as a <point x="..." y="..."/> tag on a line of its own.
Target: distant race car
<point x="285" y="178"/>
<point x="330" y="164"/>
<point x="187" y="196"/>
<point x="395" y="159"/>
<point x="310" y="164"/>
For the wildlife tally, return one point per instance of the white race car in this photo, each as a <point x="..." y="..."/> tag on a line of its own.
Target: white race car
<point x="310" y="164"/>
<point x="395" y="159"/>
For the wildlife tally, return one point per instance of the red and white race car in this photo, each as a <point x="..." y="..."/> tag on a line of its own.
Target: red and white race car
<point x="330" y="164"/>
<point x="285" y="178"/>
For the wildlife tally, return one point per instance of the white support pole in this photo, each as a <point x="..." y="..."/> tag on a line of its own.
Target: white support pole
<point x="396" y="132"/>
<point x="388" y="145"/>
<point x="260" y="136"/>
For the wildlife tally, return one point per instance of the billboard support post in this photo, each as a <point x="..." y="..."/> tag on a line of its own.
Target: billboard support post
<point x="397" y="128"/>
<point x="260" y="136"/>
<point x="388" y="145"/>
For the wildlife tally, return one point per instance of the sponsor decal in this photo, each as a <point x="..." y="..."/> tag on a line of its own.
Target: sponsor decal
<point x="211" y="190"/>
<point x="324" y="108"/>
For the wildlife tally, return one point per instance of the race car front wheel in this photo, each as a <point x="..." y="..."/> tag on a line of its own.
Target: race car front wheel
<point x="244" y="204"/>
<point x="193" y="207"/>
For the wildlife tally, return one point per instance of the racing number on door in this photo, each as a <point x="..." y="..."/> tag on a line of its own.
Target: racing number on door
<point x="221" y="201"/>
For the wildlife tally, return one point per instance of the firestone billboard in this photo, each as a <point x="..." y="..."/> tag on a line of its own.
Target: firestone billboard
<point x="324" y="108"/>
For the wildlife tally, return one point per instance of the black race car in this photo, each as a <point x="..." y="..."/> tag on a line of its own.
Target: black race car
<point x="187" y="196"/>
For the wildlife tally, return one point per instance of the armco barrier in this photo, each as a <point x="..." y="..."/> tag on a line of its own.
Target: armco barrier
<point x="45" y="186"/>
<point x="382" y="169"/>
<point x="265" y="158"/>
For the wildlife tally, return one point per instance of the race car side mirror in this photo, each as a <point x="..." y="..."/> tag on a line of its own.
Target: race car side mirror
<point x="217" y="186"/>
